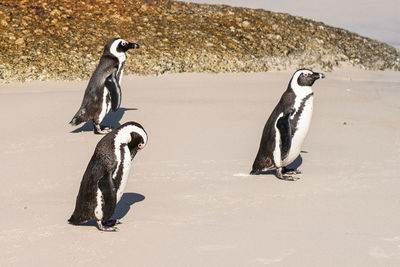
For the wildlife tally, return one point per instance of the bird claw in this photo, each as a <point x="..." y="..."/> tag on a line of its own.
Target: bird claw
<point x="98" y="130"/>
<point x="289" y="178"/>
<point x="102" y="226"/>
<point x="279" y="175"/>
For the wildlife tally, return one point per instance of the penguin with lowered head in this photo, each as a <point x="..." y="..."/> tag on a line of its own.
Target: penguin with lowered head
<point x="106" y="176"/>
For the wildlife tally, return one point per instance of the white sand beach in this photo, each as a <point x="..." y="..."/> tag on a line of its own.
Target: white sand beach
<point x="189" y="200"/>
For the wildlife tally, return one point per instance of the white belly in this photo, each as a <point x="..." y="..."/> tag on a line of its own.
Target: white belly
<point x="105" y="107"/>
<point x="126" y="164"/>
<point x="98" y="211"/>
<point x="303" y="125"/>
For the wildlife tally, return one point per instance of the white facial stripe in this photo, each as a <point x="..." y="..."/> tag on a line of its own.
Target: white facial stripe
<point x="307" y="72"/>
<point x="300" y="91"/>
<point x="298" y="73"/>
<point x="113" y="50"/>
<point x="124" y="135"/>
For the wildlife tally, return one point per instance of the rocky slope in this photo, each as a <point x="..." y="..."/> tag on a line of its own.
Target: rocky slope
<point x="63" y="39"/>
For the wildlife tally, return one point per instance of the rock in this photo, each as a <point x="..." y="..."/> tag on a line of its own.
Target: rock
<point x="38" y="31"/>
<point x="20" y="42"/>
<point x="174" y="37"/>
<point x="245" y="24"/>
<point x="144" y="8"/>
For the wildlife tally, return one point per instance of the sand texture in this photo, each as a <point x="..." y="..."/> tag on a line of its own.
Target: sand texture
<point x="189" y="200"/>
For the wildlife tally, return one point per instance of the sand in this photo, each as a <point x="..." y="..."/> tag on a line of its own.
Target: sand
<point x="189" y="200"/>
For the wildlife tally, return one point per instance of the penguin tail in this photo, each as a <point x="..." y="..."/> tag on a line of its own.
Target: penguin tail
<point x="73" y="220"/>
<point x="76" y="219"/>
<point x="257" y="167"/>
<point x="78" y="118"/>
<point x="75" y="121"/>
<point x="253" y="172"/>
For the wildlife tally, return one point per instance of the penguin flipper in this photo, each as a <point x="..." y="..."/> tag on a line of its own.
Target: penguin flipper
<point x="113" y="87"/>
<point x="283" y="125"/>
<point x="107" y="188"/>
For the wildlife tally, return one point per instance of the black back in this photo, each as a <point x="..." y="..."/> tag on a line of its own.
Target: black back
<point x="264" y="158"/>
<point x="92" y="99"/>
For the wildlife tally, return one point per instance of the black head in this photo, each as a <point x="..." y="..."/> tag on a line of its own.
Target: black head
<point x="137" y="142"/>
<point x="117" y="46"/>
<point x="124" y="46"/>
<point x="306" y="77"/>
<point x="133" y="135"/>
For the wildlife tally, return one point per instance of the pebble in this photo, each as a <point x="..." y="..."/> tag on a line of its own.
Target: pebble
<point x="174" y="37"/>
<point x="20" y="41"/>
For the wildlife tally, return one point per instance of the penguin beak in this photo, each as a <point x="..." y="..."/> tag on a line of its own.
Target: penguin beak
<point x="133" y="46"/>
<point x="317" y="75"/>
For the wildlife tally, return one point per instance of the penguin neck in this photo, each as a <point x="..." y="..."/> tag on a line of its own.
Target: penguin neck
<point x="119" y="55"/>
<point x="123" y="136"/>
<point x="300" y="91"/>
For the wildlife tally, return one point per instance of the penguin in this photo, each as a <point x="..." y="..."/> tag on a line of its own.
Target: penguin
<point x="103" y="91"/>
<point x="106" y="176"/>
<point x="287" y="126"/>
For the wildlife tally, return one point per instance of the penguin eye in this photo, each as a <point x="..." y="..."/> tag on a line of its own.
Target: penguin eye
<point x="123" y="43"/>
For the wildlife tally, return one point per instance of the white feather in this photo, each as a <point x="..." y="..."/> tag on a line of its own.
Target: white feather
<point x="126" y="167"/>
<point x="277" y="150"/>
<point x="120" y="76"/>
<point x="304" y="121"/>
<point x="98" y="211"/>
<point x="105" y="107"/>
<point x="123" y="136"/>
<point x="120" y="55"/>
<point x="300" y="91"/>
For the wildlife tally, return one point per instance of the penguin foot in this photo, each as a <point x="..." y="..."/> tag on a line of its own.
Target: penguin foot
<point x="290" y="178"/>
<point x="98" y="130"/>
<point x="111" y="222"/>
<point x="279" y="175"/>
<point x="290" y="171"/>
<point x="102" y="226"/>
<point x="102" y="132"/>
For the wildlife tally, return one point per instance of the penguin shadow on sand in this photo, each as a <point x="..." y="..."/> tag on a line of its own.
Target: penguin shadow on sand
<point x="292" y="166"/>
<point x="122" y="208"/>
<point x="112" y="119"/>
